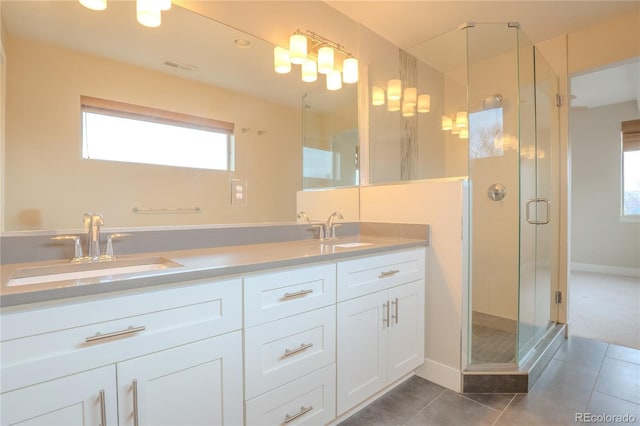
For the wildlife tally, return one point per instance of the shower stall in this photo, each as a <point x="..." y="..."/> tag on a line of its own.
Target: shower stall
<point x="494" y="119"/>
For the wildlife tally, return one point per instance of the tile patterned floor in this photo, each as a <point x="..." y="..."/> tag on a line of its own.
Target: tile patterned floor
<point x="584" y="376"/>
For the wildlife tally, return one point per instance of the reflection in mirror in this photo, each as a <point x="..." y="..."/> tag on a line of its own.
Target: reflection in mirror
<point x="57" y="52"/>
<point x="330" y="138"/>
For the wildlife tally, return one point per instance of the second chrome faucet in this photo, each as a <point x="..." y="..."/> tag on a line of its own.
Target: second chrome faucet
<point x="327" y="230"/>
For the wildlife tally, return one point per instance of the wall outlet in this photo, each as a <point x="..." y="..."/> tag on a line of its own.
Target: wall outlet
<point x="238" y="192"/>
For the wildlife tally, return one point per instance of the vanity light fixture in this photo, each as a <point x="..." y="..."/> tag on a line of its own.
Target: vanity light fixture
<point x="464" y="133"/>
<point x="408" y="110"/>
<point x="377" y="95"/>
<point x="424" y="103"/>
<point x="148" y="12"/>
<point x="411" y="96"/>
<point x="316" y="55"/>
<point x="393" y="105"/>
<point x="394" y="90"/>
<point x="462" y="120"/>
<point x="408" y="99"/>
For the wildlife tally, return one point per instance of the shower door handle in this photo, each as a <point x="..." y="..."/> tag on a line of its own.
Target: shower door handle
<point x="547" y="204"/>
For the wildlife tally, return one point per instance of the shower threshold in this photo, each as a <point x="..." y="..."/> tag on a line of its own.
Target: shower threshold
<point x="509" y="378"/>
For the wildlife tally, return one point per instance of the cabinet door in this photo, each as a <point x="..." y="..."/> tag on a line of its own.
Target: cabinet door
<point x="406" y="332"/>
<point x="362" y="348"/>
<point x="196" y="384"/>
<point x="72" y="400"/>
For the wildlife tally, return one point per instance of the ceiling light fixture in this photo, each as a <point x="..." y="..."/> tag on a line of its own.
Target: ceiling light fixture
<point x="317" y="55"/>
<point x="148" y="12"/>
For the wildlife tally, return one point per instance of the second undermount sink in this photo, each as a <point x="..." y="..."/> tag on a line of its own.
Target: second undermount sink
<point x="351" y="245"/>
<point x="74" y="271"/>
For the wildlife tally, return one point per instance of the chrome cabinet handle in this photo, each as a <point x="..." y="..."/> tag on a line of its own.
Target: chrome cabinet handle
<point x="103" y="411"/>
<point x="385" y="318"/>
<point x="134" y="387"/>
<point x="303" y="410"/>
<point x="395" y="303"/>
<point x="297" y="294"/>
<point x="302" y="347"/>
<point x="538" y="200"/>
<point x="129" y="330"/>
<point x="390" y="273"/>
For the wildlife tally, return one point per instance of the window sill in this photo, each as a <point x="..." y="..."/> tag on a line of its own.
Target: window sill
<point x="630" y="218"/>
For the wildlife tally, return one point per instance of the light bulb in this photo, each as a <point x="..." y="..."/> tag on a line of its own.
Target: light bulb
<point x="297" y="49"/>
<point x="281" y="60"/>
<point x="461" y="119"/>
<point x="447" y="124"/>
<point x="350" y="70"/>
<point x="148" y="13"/>
<point x="309" y="71"/>
<point x="94" y="4"/>
<point x="410" y="96"/>
<point x="377" y="95"/>
<point x="394" y="90"/>
<point x="334" y="80"/>
<point x="325" y="60"/>
<point x="408" y="110"/>
<point x="393" y="105"/>
<point x="424" y="103"/>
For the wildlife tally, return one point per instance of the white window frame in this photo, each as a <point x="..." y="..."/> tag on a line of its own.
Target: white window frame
<point x="91" y="105"/>
<point x="629" y="141"/>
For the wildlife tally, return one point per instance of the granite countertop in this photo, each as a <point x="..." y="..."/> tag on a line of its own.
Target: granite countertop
<point x="197" y="264"/>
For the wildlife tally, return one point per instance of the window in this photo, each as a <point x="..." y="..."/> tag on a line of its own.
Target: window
<point x="117" y="131"/>
<point x="631" y="168"/>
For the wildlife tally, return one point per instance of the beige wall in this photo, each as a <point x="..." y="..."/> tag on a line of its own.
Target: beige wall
<point x="50" y="186"/>
<point x="599" y="237"/>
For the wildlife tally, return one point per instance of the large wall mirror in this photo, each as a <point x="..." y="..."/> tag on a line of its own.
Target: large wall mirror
<point x="57" y="52"/>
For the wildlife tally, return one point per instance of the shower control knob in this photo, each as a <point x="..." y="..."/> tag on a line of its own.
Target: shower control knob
<point x="497" y="192"/>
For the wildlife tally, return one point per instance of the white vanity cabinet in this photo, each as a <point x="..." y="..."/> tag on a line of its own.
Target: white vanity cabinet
<point x="380" y="323"/>
<point x="77" y="362"/>
<point x="290" y="320"/>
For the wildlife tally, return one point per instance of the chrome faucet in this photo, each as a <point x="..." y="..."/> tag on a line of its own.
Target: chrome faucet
<point x="330" y="226"/>
<point x="94" y="221"/>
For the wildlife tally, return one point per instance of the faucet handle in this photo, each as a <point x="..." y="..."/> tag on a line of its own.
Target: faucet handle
<point x="77" y="248"/>
<point x="108" y="255"/>
<point x="321" y="230"/>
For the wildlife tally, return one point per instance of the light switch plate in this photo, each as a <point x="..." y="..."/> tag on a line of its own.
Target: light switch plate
<point x="238" y="192"/>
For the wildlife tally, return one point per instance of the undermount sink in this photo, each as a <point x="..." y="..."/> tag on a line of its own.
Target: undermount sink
<point x="74" y="271"/>
<point x="351" y="245"/>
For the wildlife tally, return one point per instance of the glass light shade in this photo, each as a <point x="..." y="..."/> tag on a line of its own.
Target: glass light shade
<point x="350" y="70"/>
<point x="309" y="71"/>
<point x="325" y="60"/>
<point x="408" y="110"/>
<point x="393" y="104"/>
<point x="447" y="123"/>
<point x="464" y="133"/>
<point x="281" y="60"/>
<point x="424" y="103"/>
<point x="394" y="90"/>
<point x="455" y="129"/>
<point x="94" y="4"/>
<point x="334" y="80"/>
<point x="297" y="49"/>
<point x="461" y="119"/>
<point x="377" y="95"/>
<point x="148" y="13"/>
<point x="165" y="4"/>
<point x="411" y="96"/>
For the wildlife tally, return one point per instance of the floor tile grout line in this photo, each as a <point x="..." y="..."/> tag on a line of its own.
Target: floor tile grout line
<point x="429" y="403"/>
<point x="593" y="389"/>
<point x="480" y="403"/>
<point x="505" y="409"/>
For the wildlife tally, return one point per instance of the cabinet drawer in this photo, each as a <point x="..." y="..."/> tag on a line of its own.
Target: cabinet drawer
<point x="366" y="275"/>
<point x="105" y="330"/>
<point x="306" y="401"/>
<point x="276" y="295"/>
<point x="280" y="351"/>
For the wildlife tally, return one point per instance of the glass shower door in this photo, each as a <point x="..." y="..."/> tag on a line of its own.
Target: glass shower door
<point x="538" y="218"/>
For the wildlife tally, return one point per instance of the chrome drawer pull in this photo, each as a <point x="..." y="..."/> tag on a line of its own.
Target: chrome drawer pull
<point x="389" y="273"/>
<point x="297" y="294"/>
<point x="103" y="411"/>
<point x="303" y="410"/>
<point x="303" y="347"/>
<point x="129" y="330"/>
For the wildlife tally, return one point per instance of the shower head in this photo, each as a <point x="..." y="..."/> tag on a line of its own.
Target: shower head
<point x="492" y="102"/>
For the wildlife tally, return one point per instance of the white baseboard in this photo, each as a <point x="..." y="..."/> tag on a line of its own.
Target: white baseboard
<point x="441" y="374"/>
<point x="605" y="269"/>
